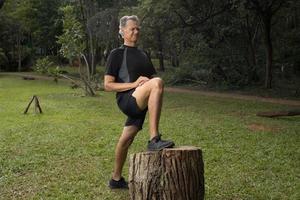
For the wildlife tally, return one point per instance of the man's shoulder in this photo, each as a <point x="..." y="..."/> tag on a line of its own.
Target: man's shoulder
<point x="117" y="50"/>
<point x="143" y="53"/>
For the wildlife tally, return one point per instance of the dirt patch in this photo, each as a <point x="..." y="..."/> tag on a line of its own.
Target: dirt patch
<point x="262" y="127"/>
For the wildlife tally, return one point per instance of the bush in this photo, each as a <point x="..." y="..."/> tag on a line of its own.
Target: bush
<point x="42" y="65"/>
<point x="55" y="72"/>
<point x="185" y="75"/>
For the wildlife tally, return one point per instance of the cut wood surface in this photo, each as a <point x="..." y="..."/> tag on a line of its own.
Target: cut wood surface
<point x="170" y="174"/>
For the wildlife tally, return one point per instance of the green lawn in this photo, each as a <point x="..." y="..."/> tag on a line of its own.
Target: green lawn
<point x="67" y="152"/>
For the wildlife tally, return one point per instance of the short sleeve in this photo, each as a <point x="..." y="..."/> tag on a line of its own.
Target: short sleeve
<point x="153" y="71"/>
<point x="151" y="67"/>
<point x="113" y="63"/>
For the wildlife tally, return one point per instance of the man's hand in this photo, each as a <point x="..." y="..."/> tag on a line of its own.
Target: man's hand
<point x="141" y="80"/>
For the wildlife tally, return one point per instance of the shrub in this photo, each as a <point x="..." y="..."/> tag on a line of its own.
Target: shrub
<point x="42" y="65"/>
<point x="55" y="72"/>
<point x="185" y="75"/>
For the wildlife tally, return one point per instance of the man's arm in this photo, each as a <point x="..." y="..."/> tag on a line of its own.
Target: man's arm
<point x="111" y="85"/>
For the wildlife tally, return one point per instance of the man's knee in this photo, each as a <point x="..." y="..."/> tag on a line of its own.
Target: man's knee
<point x="157" y="83"/>
<point x="125" y="142"/>
<point x="129" y="133"/>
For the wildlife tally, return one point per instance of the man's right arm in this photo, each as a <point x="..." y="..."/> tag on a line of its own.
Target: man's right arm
<point x="111" y="85"/>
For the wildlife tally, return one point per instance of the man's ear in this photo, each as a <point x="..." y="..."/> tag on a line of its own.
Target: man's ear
<point x="121" y="33"/>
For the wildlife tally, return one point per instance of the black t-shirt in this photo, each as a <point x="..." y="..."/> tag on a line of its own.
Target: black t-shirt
<point x="128" y="69"/>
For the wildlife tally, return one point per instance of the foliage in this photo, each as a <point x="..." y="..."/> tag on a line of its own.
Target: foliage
<point x="55" y="72"/>
<point x="72" y="45"/>
<point x="68" y="152"/>
<point x="210" y="34"/>
<point x="228" y="35"/>
<point x="43" y="65"/>
<point x="47" y="25"/>
<point x="72" y="39"/>
<point x="186" y="75"/>
<point x="28" y="29"/>
<point x="46" y="66"/>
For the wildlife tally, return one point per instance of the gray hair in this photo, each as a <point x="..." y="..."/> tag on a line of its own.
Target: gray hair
<point x="124" y="19"/>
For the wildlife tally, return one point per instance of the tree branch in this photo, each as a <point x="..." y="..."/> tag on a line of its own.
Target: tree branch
<point x="278" y="7"/>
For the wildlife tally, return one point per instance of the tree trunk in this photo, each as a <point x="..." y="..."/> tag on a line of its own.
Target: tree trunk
<point x="252" y="74"/>
<point x="19" y="52"/>
<point x="269" y="50"/>
<point x="174" y="58"/>
<point x="170" y="174"/>
<point x="92" y="52"/>
<point x="160" y="51"/>
<point x="1" y="3"/>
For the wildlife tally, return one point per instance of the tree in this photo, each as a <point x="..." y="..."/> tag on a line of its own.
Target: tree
<point x="90" y="12"/>
<point x="103" y="27"/>
<point x="157" y="22"/>
<point x="18" y="15"/>
<point x="72" y="44"/>
<point x="46" y="26"/>
<point x="266" y="10"/>
<point x="31" y="25"/>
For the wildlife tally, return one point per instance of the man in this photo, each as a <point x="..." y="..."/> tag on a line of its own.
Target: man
<point x="130" y="73"/>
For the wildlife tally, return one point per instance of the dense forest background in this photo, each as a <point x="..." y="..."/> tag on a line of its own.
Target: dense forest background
<point x="236" y="43"/>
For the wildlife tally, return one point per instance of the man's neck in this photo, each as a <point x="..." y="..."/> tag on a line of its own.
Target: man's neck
<point x="130" y="44"/>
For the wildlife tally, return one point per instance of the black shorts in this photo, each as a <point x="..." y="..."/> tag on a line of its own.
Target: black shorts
<point x="127" y="104"/>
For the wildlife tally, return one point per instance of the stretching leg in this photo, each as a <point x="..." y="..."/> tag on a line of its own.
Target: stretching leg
<point x="151" y="94"/>
<point x="125" y="140"/>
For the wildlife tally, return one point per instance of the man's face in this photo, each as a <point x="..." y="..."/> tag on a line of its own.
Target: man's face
<point x="131" y="31"/>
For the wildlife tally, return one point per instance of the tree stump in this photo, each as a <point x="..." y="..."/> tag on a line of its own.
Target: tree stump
<point x="170" y="174"/>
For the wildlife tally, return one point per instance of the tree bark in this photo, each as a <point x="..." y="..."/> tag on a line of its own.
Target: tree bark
<point x="252" y="61"/>
<point x="174" y="58"/>
<point x="19" y="52"/>
<point x="1" y="3"/>
<point x="170" y="174"/>
<point x="269" y="50"/>
<point x="160" y="51"/>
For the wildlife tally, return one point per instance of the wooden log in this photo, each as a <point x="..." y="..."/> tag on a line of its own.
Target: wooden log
<point x="278" y="113"/>
<point x="28" y="78"/>
<point x="170" y="174"/>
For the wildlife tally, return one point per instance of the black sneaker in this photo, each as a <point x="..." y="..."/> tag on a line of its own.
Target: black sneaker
<point x="157" y="144"/>
<point x="120" y="184"/>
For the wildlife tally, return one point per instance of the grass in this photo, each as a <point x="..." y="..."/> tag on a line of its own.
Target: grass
<point x="68" y="152"/>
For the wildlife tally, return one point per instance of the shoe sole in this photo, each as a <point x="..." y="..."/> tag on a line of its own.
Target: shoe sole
<point x="114" y="187"/>
<point x="118" y="188"/>
<point x="163" y="147"/>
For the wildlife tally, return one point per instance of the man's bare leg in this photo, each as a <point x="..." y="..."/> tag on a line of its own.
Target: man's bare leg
<point x="150" y="94"/>
<point x="125" y="140"/>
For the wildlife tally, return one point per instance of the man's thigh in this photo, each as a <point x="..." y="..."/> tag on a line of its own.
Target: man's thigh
<point x="142" y="94"/>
